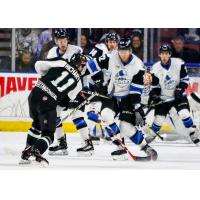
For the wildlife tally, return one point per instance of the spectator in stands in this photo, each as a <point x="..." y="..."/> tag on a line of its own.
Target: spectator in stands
<point x="5" y="63"/>
<point x="179" y="51"/>
<point x="44" y="38"/>
<point x="85" y="44"/>
<point x="24" y="63"/>
<point x="137" y="43"/>
<point x="26" y="39"/>
<point x="45" y="49"/>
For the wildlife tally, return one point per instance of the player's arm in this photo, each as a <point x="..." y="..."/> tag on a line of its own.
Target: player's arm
<point x="136" y="88"/>
<point x="154" y="95"/>
<point x="184" y="81"/>
<point x="184" y="78"/>
<point x="135" y="92"/>
<point x="43" y="66"/>
<point x="73" y="93"/>
<point x="97" y="75"/>
<point x="95" y="52"/>
<point x="95" y="66"/>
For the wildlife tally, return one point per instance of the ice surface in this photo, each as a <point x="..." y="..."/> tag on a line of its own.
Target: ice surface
<point x="172" y="155"/>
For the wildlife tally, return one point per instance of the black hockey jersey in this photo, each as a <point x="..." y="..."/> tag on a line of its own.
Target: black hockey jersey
<point x="60" y="80"/>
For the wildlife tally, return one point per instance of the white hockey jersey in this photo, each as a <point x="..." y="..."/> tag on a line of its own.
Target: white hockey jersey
<point x="126" y="78"/>
<point x="71" y="49"/>
<point x="169" y="77"/>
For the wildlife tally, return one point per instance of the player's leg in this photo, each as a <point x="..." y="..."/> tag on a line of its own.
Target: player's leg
<point x="48" y="126"/>
<point x="92" y="120"/>
<point x="82" y="128"/>
<point x="128" y="128"/>
<point x="45" y="108"/>
<point x="61" y="147"/>
<point x="34" y="132"/>
<point x="183" y="110"/>
<point x="137" y="137"/>
<point x="161" y="112"/>
<point x="109" y="111"/>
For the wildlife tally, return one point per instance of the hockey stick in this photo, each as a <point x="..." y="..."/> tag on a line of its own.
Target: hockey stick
<point x="124" y="147"/>
<point x="151" y="106"/>
<point x="96" y="94"/>
<point x="77" y="108"/>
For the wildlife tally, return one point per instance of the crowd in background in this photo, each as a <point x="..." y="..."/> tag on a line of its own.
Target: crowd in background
<point x="34" y="44"/>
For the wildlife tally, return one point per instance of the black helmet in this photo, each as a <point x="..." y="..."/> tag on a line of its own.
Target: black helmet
<point x="76" y="60"/>
<point x="60" y="33"/>
<point x="165" y="48"/>
<point x="112" y="36"/>
<point x="124" y="43"/>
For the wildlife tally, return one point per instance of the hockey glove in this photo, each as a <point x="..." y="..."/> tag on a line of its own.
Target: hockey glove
<point x="178" y="93"/>
<point x="154" y="96"/>
<point x="100" y="88"/>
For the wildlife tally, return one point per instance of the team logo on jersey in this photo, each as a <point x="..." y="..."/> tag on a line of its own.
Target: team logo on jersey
<point x="121" y="78"/>
<point x="169" y="83"/>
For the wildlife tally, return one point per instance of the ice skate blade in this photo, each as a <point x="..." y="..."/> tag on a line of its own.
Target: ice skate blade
<point x="107" y="142"/>
<point x="58" y="153"/>
<point x="95" y="142"/>
<point x="24" y="162"/>
<point x="41" y="164"/>
<point x="120" y="157"/>
<point x="150" y="139"/>
<point x="85" y="153"/>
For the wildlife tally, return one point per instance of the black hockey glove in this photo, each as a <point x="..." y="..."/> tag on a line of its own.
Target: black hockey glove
<point x="178" y="93"/>
<point x="99" y="88"/>
<point x="154" y="96"/>
<point x="139" y="117"/>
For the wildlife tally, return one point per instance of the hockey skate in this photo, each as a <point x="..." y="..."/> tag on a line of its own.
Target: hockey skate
<point x="95" y="140"/>
<point x="150" y="152"/>
<point x="25" y="156"/>
<point x="107" y="140"/>
<point x="120" y="153"/>
<point x="60" y="149"/>
<point x="151" y="136"/>
<point x="87" y="149"/>
<point x="38" y="158"/>
<point x="195" y="137"/>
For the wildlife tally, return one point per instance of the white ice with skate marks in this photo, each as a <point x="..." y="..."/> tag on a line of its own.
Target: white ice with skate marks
<point x="172" y="155"/>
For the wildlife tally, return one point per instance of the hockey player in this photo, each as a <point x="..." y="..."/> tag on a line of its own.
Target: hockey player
<point x="169" y="81"/>
<point x="111" y="42"/>
<point x="59" y="81"/>
<point x="62" y="50"/>
<point x="125" y="86"/>
<point x="100" y="51"/>
<point x="78" y="117"/>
